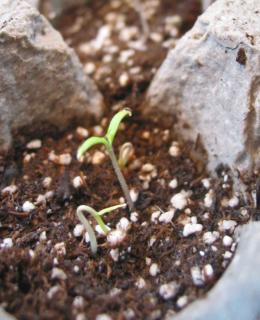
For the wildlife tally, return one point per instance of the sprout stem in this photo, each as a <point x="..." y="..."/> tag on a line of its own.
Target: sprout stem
<point x="97" y="216"/>
<point x="86" y="224"/>
<point x="138" y="7"/>
<point x="120" y="176"/>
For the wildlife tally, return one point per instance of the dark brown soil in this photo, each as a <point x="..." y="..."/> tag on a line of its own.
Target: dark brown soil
<point x="241" y="56"/>
<point x="100" y="285"/>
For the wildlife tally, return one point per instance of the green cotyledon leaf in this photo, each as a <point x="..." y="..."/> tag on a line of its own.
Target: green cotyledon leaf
<point x="115" y="122"/>
<point x="90" y="142"/>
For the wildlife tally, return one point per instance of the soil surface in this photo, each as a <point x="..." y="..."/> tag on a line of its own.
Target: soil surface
<point x="180" y="237"/>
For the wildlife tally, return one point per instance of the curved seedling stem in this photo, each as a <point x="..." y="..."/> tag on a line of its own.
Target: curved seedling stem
<point x="97" y="216"/>
<point x="86" y="224"/>
<point x="120" y="177"/>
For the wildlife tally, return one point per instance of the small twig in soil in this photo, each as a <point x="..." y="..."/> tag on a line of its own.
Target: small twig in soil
<point x="166" y="253"/>
<point x="19" y="214"/>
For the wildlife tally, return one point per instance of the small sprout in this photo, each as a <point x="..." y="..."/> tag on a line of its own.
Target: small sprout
<point x="97" y="216"/>
<point x="107" y="140"/>
<point x="138" y="7"/>
<point x="125" y="153"/>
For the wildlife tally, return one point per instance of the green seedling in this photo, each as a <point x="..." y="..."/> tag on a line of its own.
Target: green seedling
<point x="107" y="141"/>
<point x="97" y="215"/>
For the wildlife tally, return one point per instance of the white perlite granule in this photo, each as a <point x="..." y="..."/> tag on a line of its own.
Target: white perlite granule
<point x="167" y="217"/>
<point x="206" y="183"/>
<point x="155" y="215"/>
<point x="123" y="224"/>
<point x="60" y="248"/>
<point x="210" y="237"/>
<point x="190" y="228"/>
<point x="28" y="206"/>
<point x="7" y="243"/>
<point x="62" y="159"/>
<point x="174" y="150"/>
<point x="168" y="290"/>
<point x="154" y="269"/>
<point x="58" y="273"/>
<point x="173" y="184"/>
<point x="208" y="200"/>
<point x="77" y="182"/>
<point x="197" y="276"/>
<point x="233" y="202"/>
<point x="78" y="230"/>
<point x="179" y="200"/>
<point x="76" y="269"/>
<point x="78" y="302"/>
<point x="134" y="195"/>
<point x="140" y="283"/>
<point x="182" y="301"/>
<point x="114" y="253"/>
<point x="115" y="237"/>
<point x="134" y="216"/>
<point x="47" y="182"/>
<point x="103" y="316"/>
<point x="80" y="316"/>
<point x="227" y="255"/>
<point x="34" y="144"/>
<point x="208" y="271"/>
<point x="152" y="241"/>
<point x="98" y="157"/>
<point x="123" y="79"/>
<point x="82" y="132"/>
<point x="89" y="68"/>
<point x="129" y="314"/>
<point x="227" y="225"/>
<point x="227" y="241"/>
<point x="43" y="236"/>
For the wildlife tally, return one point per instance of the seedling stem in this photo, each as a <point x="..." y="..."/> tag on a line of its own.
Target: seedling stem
<point x="107" y="140"/>
<point x="97" y="216"/>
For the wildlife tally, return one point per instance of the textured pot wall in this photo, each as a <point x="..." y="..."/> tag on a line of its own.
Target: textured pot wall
<point x="211" y="81"/>
<point x="5" y="316"/>
<point x="206" y="4"/>
<point x="41" y="78"/>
